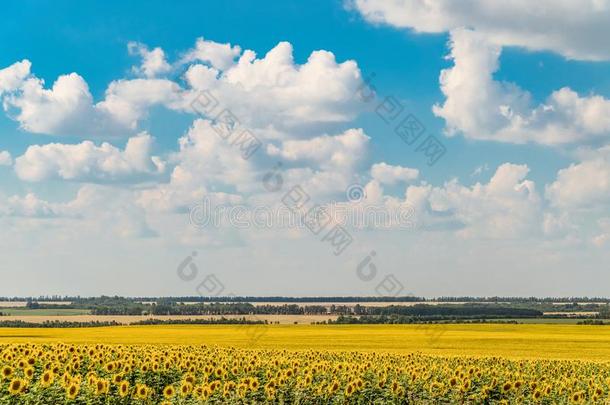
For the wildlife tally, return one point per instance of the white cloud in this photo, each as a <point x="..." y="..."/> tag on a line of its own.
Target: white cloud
<point x="109" y="209"/>
<point x="273" y="93"/>
<point x="574" y="29"/>
<point x="342" y="151"/>
<point x="203" y="162"/>
<point x="602" y="239"/>
<point x="153" y="62"/>
<point x="29" y="206"/>
<point x="219" y="56"/>
<point x="95" y="210"/>
<point x="508" y="206"/>
<point x="88" y="162"/>
<point x="12" y="77"/>
<point x="482" y="108"/>
<point x="128" y="101"/>
<point x="65" y="108"/>
<point x="5" y="159"/>
<point x="389" y="174"/>
<point x="581" y="185"/>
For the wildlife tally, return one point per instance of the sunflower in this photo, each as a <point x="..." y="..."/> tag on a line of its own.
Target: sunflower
<point x="47" y="378"/>
<point x="101" y="387"/>
<point x="186" y="388"/>
<point x="334" y="387"/>
<point x="72" y="391"/>
<point x="270" y="394"/>
<point x="17" y="386"/>
<point x="576" y="397"/>
<point x="28" y="373"/>
<point x="142" y="391"/>
<point x="169" y="392"/>
<point x="123" y="388"/>
<point x="6" y="372"/>
<point x="117" y="378"/>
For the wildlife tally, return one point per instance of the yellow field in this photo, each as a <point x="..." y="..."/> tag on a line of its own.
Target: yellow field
<point x="576" y="342"/>
<point x="181" y="374"/>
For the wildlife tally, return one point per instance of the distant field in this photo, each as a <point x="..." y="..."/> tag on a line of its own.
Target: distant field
<point x="76" y="315"/>
<point x="577" y="342"/>
<point x="65" y="316"/>
<point x="17" y="304"/>
<point x="27" y="313"/>
<point x="545" y="321"/>
<point x="362" y="304"/>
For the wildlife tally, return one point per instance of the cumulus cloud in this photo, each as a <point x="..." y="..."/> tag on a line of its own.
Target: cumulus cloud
<point x="482" y="108"/>
<point x="574" y="29"/>
<point x="67" y="108"/>
<point x="110" y="209"/>
<point x="95" y="210"/>
<point x="88" y="162"/>
<point x="508" y="206"/>
<point x="29" y="206"/>
<point x="204" y="161"/>
<point x="5" y="159"/>
<point x="581" y="185"/>
<point x="62" y="109"/>
<point x="339" y="151"/>
<point x="389" y="174"/>
<point x="275" y="94"/>
<point x="271" y="93"/>
<point x="153" y="62"/>
<point x="603" y="237"/>
<point x="13" y="76"/>
<point x="217" y="55"/>
<point x="127" y="101"/>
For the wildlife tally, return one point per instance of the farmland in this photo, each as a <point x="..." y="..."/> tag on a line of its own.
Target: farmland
<point x="306" y="364"/>
<point x="528" y="341"/>
<point x="332" y="352"/>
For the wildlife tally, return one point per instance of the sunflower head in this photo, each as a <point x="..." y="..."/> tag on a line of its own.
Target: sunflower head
<point x="123" y="388"/>
<point x="169" y="391"/>
<point x="16" y="386"/>
<point x="6" y="372"/>
<point x="142" y="391"/>
<point x="72" y="391"/>
<point x="47" y="378"/>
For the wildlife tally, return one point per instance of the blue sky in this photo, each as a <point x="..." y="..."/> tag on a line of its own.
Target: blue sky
<point x="65" y="232"/>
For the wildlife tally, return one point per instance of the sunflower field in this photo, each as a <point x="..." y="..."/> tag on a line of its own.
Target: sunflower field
<point x="181" y="374"/>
